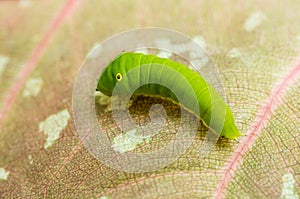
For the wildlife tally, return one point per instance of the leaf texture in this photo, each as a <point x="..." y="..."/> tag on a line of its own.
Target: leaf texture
<point x="260" y="69"/>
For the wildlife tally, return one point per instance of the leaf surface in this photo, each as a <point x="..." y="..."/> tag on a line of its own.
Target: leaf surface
<point x="254" y="44"/>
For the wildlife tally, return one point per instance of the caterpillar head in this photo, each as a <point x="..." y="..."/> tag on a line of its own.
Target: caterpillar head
<point x="108" y="80"/>
<point x="114" y="73"/>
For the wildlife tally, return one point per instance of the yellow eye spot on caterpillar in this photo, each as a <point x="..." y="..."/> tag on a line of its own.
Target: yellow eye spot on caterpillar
<point x="119" y="76"/>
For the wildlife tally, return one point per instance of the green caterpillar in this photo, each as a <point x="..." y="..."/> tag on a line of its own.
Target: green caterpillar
<point x="207" y="96"/>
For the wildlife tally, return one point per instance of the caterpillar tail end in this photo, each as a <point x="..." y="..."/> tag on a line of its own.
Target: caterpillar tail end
<point x="231" y="133"/>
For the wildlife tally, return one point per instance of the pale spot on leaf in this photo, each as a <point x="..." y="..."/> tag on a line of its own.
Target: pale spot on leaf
<point x="234" y="53"/>
<point x="25" y="3"/>
<point x="141" y="50"/>
<point x="103" y="197"/>
<point x="101" y="99"/>
<point x="128" y="141"/>
<point x="253" y="21"/>
<point x="164" y="54"/>
<point x="3" y="174"/>
<point x="288" y="187"/>
<point x="196" y="64"/>
<point x="3" y="62"/>
<point x="33" y="87"/>
<point x="53" y="125"/>
<point x="30" y="159"/>
<point x="200" y="41"/>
